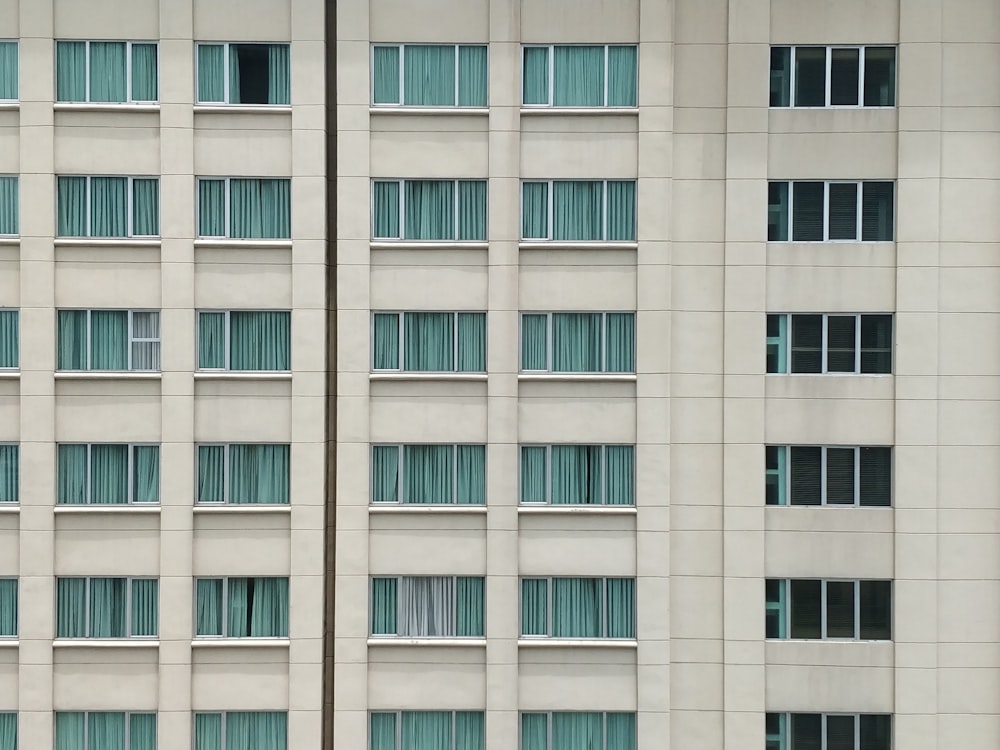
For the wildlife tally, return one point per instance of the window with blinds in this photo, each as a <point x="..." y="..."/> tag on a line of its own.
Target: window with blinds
<point x="841" y="211"/>
<point x="828" y="475"/>
<point x="815" y="609"/>
<point x="829" y="344"/>
<point x="833" y="77"/>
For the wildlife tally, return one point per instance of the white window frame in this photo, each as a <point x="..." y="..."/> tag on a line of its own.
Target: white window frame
<point x="17" y="618"/>
<point x="789" y="229"/>
<point x="550" y="58"/>
<point x="17" y="312"/>
<point x="862" y="59"/>
<point x="128" y="609"/>
<point x="129" y="94"/>
<point x="401" y="208"/>
<point x="786" y="608"/>
<point x="550" y="215"/>
<point x="548" y="724"/>
<point x="129" y="207"/>
<point x="547" y="503"/>
<point x="228" y="236"/>
<point x="399" y="608"/>
<point x="398" y="714"/>
<point x="226" y="501"/>
<point x="225" y="74"/>
<point x="548" y="608"/>
<point x="227" y="339"/>
<point x="787" y="479"/>
<point x="16" y="42"/>
<point x="401" y="47"/>
<point x="225" y="611"/>
<point x="549" y="339"/>
<point x="401" y="333"/>
<point x="130" y="463"/>
<point x="128" y="722"/>
<point x="132" y="339"/>
<point x="401" y="476"/>
<point x="785" y="739"/>
<point x="824" y="348"/>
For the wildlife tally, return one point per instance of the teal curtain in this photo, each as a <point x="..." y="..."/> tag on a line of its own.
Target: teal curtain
<point x="428" y="474"/>
<point x="578" y="76"/>
<point x="145" y="606"/>
<point x="208" y="732"/>
<point x="8" y="608"/>
<point x="234" y="74"/>
<point x="620" y="731"/>
<point x="72" y="348"/>
<point x="10" y="339"/>
<point x="108" y="613"/>
<point x="72" y="475"/>
<point x="106" y="729"/>
<point x="146" y="474"/>
<point x="429" y="75"/>
<point x="429" y="210"/>
<point x="9" y="203"/>
<point x="534" y="732"/>
<point x="108" y="474"/>
<point x="71" y="200"/>
<point x="533" y="478"/>
<point x="146" y="207"/>
<point x="142" y="731"/>
<point x="576" y="342"/>
<point x="384" y="607"/>
<point x="211" y="207"/>
<point x="385" y="222"/>
<point x="535" y="78"/>
<point x="108" y="206"/>
<point x="211" y="341"/>
<point x="71" y="71"/>
<point x="576" y="210"/>
<point x="576" y="475"/>
<point x="259" y="340"/>
<point x="576" y="607"/>
<point x="211" y="473"/>
<point x="472" y="342"/>
<point x="470" y="730"/>
<point x="108" y="339"/>
<point x="256" y="730"/>
<point x="619" y="475"/>
<point x="278" y="74"/>
<point x="470" y="610"/>
<point x="577" y="730"/>
<point x="621" y="210"/>
<point x="425" y="730"/>
<point x="144" y="74"/>
<point x="383" y="732"/>
<point x="70" y="730"/>
<point x="71" y="607"/>
<point x="621" y="608"/>
<point x="8" y="731"/>
<point x="534" y="342"/>
<point x="621" y="342"/>
<point x="8" y="86"/>
<point x="471" y="469"/>
<point x="260" y="208"/>
<point x="258" y="474"/>
<point x="429" y="342"/>
<point x="208" y="606"/>
<point x="385" y="473"/>
<point x="473" y="76"/>
<point x="623" y="80"/>
<point x="108" y="72"/>
<point x="385" y="77"/>
<point x="535" y="210"/>
<point x="385" y="344"/>
<point x="257" y="608"/>
<point x="472" y="210"/>
<point x="211" y="73"/>
<point x="534" y="606"/>
<point x="9" y="473"/>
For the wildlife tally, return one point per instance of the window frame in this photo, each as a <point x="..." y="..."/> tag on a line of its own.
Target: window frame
<point x="130" y="464"/>
<point x="786" y="346"/>
<point x="456" y="215"/>
<point x="86" y="723"/>
<point x="225" y="610"/>
<point x="130" y="100"/>
<point x="128" y="609"/>
<point x="401" y="472"/>
<point x="549" y="353"/>
<point x="550" y="211"/>
<point x="548" y="724"/>
<point x="226" y="204"/>
<point x="227" y="341"/>
<point x="224" y="721"/>
<point x="547" y="503"/>
<point x="548" y="609"/>
<point x="129" y="208"/>
<point x="551" y="78"/>
<point x="398" y="714"/>
<point x="454" y="623"/>
<point x="17" y="616"/>
<point x="401" y="46"/>
<point x="226" y="75"/>
<point x="401" y="334"/>
<point x="226" y="485"/>
<point x="17" y="43"/>
<point x="132" y="339"/>
<point x="784" y="607"/>
<point x="862" y="61"/>
<point x="859" y="228"/>
<point x="786" y="480"/>
<point x="784" y="739"/>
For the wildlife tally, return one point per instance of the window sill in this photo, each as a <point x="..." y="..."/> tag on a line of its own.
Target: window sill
<point x="628" y="643"/>
<point x="399" y="109"/>
<point x="829" y="374"/>
<point x="96" y="375"/>
<point x="224" y="242"/>
<point x="223" y="508"/>
<point x="445" y="642"/>
<point x="427" y="245"/>
<point x="414" y="508"/>
<point x="832" y="106"/>
<point x="10" y="375"/>
<point x="105" y="107"/>
<point x="577" y="377"/>
<point x="11" y="508"/>
<point x="106" y="242"/>
<point x="582" y="245"/>
<point x="476" y="377"/>
<point x="227" y="375"/>
<point x="10" y="241"/>
<point x="827" y="640"/>
<point x="105" y="643"/>
<point x="243" y="109"/>
<point x="584" y="111"/>
<point x="624" y="510"/>
<point x="141" y="509"/>
<point x="241" y="643"/>
<point x="9" y="106"/>
<point x="9" y="643"/>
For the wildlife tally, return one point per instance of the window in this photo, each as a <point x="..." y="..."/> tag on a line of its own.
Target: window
<point x="578" y="607"/>
<point x="830" y="211"/>
<point x="10" y="344"/>
<point x="429" y="341"/>
<point x="427" y="730"/>
<point x="828" y="475"/>
<point x="242" y="208"/>
<point x="107" y="206"/>
<point x="244" y="340"/>
<point x="578" y="474"/>
<point x="105" y="730"/>
<point x="578" y="342"/>
<point x="580" y="76"/>
<point x="242" y="607"/>
<point x="241" y="730"/>
<point x="829" y="344"/>
<point x="243" y="474"/>
<point x="452" y="210"/>
<point x="578" y="210"/>
<point x="829" y="731"/>
<point x="8" y="93"/>
<point x="429" y="474"/>
<point x="106" y="72"/>
<point x="117" y="340"/>
<point x="833" y="76"/>
<point x="243" y="74"/>
<point x="107" y="607"/>
<point x="108" y="474"/>
<point x="8" y="731"/>
<point x="8" y="618"/>
<point x="10" y="205"/>
<point x="432" y="75"/>
<point x="580" y="730"/>
<point x="10" y="465"/>
<point x="428" y="606"/>
<point x="812" y="609"/>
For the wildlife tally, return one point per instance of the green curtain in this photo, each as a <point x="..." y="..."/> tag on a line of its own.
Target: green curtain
<point x="621" y="608"/>
<point x="70" y="730"/>
<point x="576" y="210"/>
<point x="108" y="340"/>
<point x="383" y="732"/>
<point x="278" y="74"/>
<point x="258" y="474"/>
<point x="428" y="474"/>
<point x="8" y="84"/>
<point x="533" y="474"/>
<point x="621" y="210"/>
<point x="619" y="475"/>
<point x="621" y="342"/>
<point x="146" y="474"/>
<point x="385" y="199"/>
<point x="9" y="203"/>
<point x="534" y="732"/>
<point x="535" y="210"/>
<point x="208" y="606"/>
<point x="576" y="342"/>
<point x="9" y="473"/>
<point x="106" y="729"/>
<point x="8" y="731"/>
<point x="425" y="730"/>
<point x="472" y="210"/>
<point x="429" y="75"/>
<point x="108" y="206"/>
<point x="211" y="473"/>
<point x="577" y="730"/>
<point x="208" y="732"/>
<point x="429" y="342"/>
<point x="534" y="606"/>
<point x="534" y="342"/>
<point x="211" y="207"/>
<point x="145" y="606"/>
<point x="72" y="475"/>
<point x="576" y="607"/>
<point x="108" y="72"/>
<point x="211" y="73"/>
<point x="144" y="75"/>
<point x="146" y="207"/>
<point x="535" y="78"/>
<point x="471" y="470"/>
<point x="385" y="77"/>
<point x="576" y="475"/>
<point x="384" y="607"/>
<point x="620" y="731"/>
<point x="260" y="208"/>
<point x="234" y="74"/>
<point x="10" y="344"/>
<point x="142" y="731"/>
<point x="108" y="474"/>
<point x="578" y="76"/>
<point x="256" y="730"/>
<point x="470" y="730"/>
<point x="385" y="473"/>
<point x="72" y="348"/>
<point x="71" y="607"/>
<point x="473" y="76"/>
<point x="470" y="610"/>
<point x="211" y="341"/>
<point x="622" y="76"/>
<point x="472" y="342"/>
<point x="259" y="340"/>
<point x="108" y="613"/>
<point x="71" y="200"/>
<point x="257" y="608"/>
<point x="429" y="210"/>
<point x="8" y="608"/>
<point x="385" y="344"/>
<point x="71" y="71"/>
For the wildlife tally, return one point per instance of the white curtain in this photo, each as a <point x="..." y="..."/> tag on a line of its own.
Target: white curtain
<point x="427" y="606"/>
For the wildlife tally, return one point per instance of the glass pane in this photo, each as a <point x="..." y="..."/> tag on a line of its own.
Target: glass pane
<point x="145" y="353"/>
<point x="622" y="76"/>
<point x="71" y="607"/>
<point x="807" y="211"/>
<point x="577" y="730"/>
<point x="877" y="218"/>
<point x="145" y="606"/>
<point x="775" y="474"/>
<point x="71" y="730"/>
<point x="428" y="474"/>
<point x="781" y="76"/>
<point x="777" y="212"/>
<point x="211" y="73"/>
<point x="876" y="344"/>
<point x="470" y="607"/>
<point x="385" y="473"/>
<point x="843" y="211"/>
<point x="144" y="78"/>
<point x="876" y="732"/>
<point x="576" y="342"/>
<point x="840" y="476"/>
<point x="259" y="340"/>
<point x="619" y="475"/>
<point x="71" y="206"/>
<point x="471" y="469"/>
<point x="807" y="731"/>
<point x="108" y="72"/>
<point x="385" y="341"/>
<point x="533" y="474"/>
<point x="621" y="608"/>
<point x="576" y="210"/>
<point x="208" y="607"/>
<point x="8" y="70"/>
<point x="534" y="606"/>
<point x="146" y="207"/>
<point x="839" y="732"/>
<point x="807" y="343"/>
<point x="142" y="731"/>
<point x="385" y="75"/>
<point x="535" y="83"/>
<point x="841" y="343"/>
<point x="576" y="475"/>
<point x="72" y="489"/>
<point x="621" y="210"/>
<point x="108" y="206"/>
<point x="535" y="210"/>
<point x="777" y="343"/>
<point x="211" y="207"/>
<point x="9" y="473"/>
<point x="250" y="74"/>
<point x="8" y="613"/>
<point x="578" y="76"/>
<point x="806" y="613"/>
<point x="840" y="609"/>
<point x="146" y="474"/>
<point x="108" y="608"/>
<point x="876" y="476"/>
<point x="534" y="731"/>
<point x="109" y="340"/>
<point x="880" y="77"/>
<point x="427" y="606"/>
<point x="429" y="75"/>
<point x="71" y="71"/>
<point x="534" y="342"/>
<point x="774" y="609"/>
<point x="472" y="210"/>
<point x="260" y="209"/>
<point x="621" y="731"/>
<point x="278" y="74"/>
<point x="876" y="610"/>
<point x="425" y="730"/>
<point x="576" y="607"/>
<point x="430" y="210"/>
<point x="429" y="342"/>
<point x="385" y="207"/>
<point x="472" y="342"/>
<point x="620" y="342"/>
<point x="472" y="76"/>
<point x="806" y="474"/>
<point x="845" y="67"/>
<point x="9" y="201"/>
<point x="470" y="730"/>
<point x="383" y="732"/>
<point x="810" y="76"/>
<point x="258" y="474"/>
<point x="211" y="473"/>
